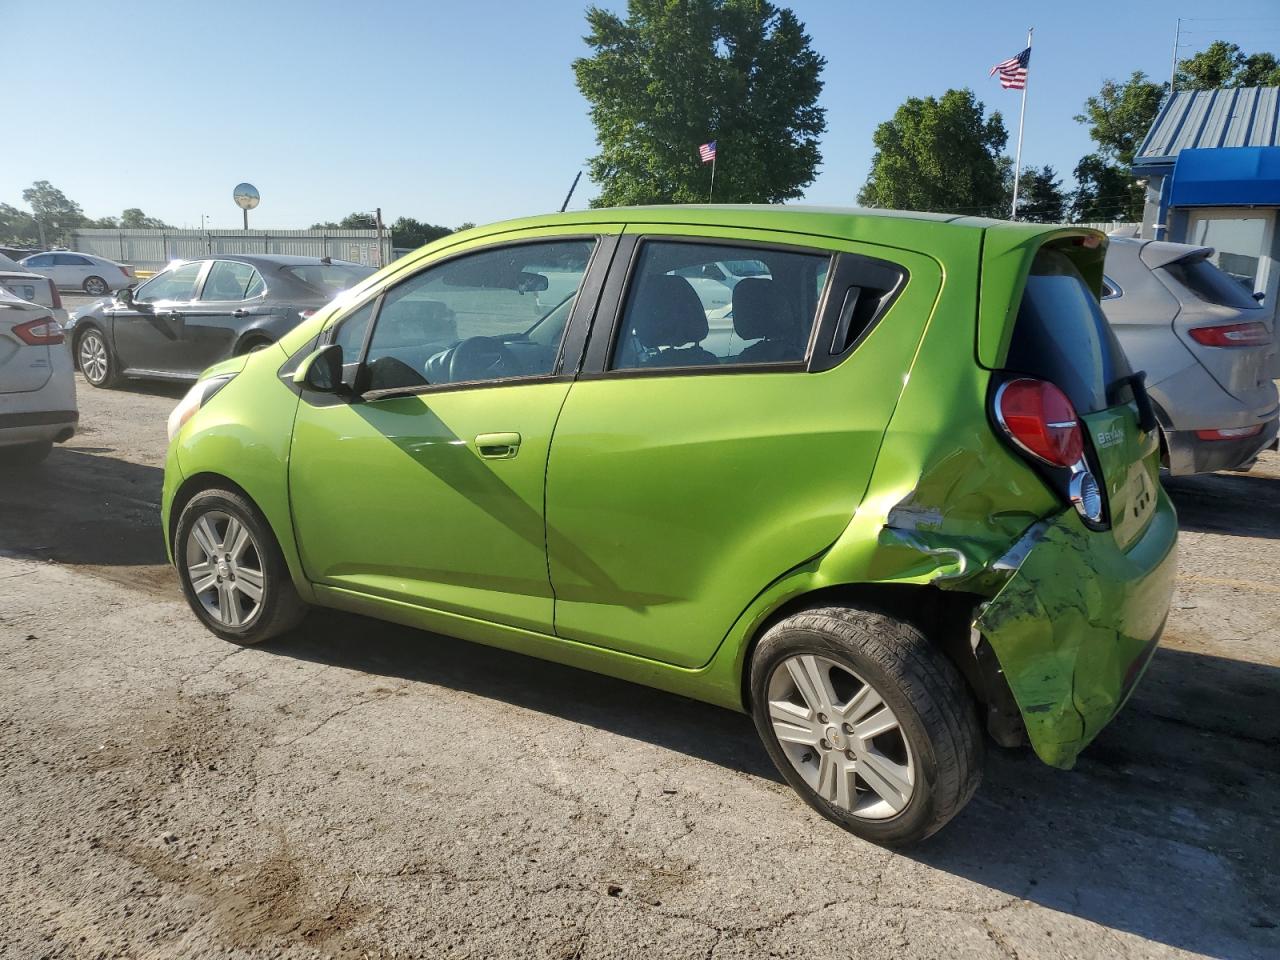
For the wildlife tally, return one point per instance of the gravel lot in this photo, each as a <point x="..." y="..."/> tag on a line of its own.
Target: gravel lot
<point x="364" y="790"/>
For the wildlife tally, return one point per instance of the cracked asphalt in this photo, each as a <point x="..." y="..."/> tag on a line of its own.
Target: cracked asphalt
<point x="364" y="790"/>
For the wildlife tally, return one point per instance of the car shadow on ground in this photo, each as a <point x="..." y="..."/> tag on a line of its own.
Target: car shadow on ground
<point x="85" y="508"/>
<point x="1163" y="829"/>
<point x="1238" y="504"/>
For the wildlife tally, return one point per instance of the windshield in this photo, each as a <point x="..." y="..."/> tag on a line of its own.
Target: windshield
<point x="328" y="279"/>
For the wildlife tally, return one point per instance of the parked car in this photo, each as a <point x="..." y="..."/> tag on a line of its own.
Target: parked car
<point x="886" y="513"/>
<point x="37" y="383"/>
<point x="30" y="286"/>
<point x="1207" y="354"/>
<point x="80" y="271"/>
<point x="197" y="312"/>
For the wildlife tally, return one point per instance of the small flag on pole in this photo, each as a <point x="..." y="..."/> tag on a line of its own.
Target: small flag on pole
<point x="1013" y="72"/>
<point x="707" y="152"/>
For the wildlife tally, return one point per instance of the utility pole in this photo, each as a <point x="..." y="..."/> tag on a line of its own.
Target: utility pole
<point x="1173" y="67"/>
<point x="378" y="218"/>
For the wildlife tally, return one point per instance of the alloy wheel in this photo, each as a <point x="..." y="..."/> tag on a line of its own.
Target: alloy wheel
<point x="95" y="286"/>
<point x="841" y="736"/>
<point x="224" y="568"/>
<point x="92" y="354"/>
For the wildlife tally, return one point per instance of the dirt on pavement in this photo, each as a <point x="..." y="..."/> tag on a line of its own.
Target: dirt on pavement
<point x="363" y="790"/>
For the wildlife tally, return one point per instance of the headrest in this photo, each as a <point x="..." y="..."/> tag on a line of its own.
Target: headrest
<point x="666" y="312"/>
<point x="759" y="310"/>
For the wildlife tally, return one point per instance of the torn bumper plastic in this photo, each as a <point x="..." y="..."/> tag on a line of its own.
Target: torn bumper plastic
<point x="1076" y="624"/>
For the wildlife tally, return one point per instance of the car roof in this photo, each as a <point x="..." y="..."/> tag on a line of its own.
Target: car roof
<point x="268" y="260"/>
<point x="852" y="223"/>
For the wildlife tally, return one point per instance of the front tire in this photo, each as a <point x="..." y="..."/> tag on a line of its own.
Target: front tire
<point x="233" y="574"/>
<point x="868" y="721"/>
<point x="95" y="359"/>
<point x="95" y="286"/>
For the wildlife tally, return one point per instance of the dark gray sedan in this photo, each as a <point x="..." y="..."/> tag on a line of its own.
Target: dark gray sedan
<point x="197" y="312"/>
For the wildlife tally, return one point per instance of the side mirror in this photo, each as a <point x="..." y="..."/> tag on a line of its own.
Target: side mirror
<point x="124" y="296"/>
<point x="1259" y="296"/>
<point x="322" y="371"/>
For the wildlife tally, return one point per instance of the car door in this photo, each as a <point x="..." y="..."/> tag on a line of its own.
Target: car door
<point x="149" y="334"/>
<point x="212" y="322"/>
<point x="71" y="270"/>
<point x="689" y="470"/>
<point x="427" y="486"/>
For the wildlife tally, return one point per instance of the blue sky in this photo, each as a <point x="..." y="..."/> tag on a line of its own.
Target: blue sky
<point x="454" y="111"/>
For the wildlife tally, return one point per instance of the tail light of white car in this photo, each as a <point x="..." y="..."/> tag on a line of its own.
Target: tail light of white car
<point x="41" y="332"/>
<point x="56" y="297"/>
<point x="1252" y="334"/>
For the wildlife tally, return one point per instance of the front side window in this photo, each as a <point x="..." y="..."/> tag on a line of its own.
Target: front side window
<point x="229" y="280"/>
<point x="490" y="315"/>
<point x="708" y="305"/>
<point x="178" y="283"/>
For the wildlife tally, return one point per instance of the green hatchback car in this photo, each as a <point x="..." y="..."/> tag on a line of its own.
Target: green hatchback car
<point x="885" y="481"/>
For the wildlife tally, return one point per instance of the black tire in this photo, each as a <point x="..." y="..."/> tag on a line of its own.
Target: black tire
<point x="23" y="455"/>
<point x="95" y="286"/>
<point x="280" y="609"/>
<point x="937" y="716"/>
<point x="109" y="367"/>
<point x="251" y="344"/>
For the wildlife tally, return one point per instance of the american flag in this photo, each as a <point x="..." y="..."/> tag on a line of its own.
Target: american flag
<point x="1013" y="72"/>
<point x="707" y="151"/>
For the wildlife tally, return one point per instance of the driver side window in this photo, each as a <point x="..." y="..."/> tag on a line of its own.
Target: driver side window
<point x="176" y="284"/>
<point x="494" y="314"/>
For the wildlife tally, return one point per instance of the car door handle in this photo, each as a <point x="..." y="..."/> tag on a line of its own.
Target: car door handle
<point x="498" y="446"/>
<point x="240" y="312"/>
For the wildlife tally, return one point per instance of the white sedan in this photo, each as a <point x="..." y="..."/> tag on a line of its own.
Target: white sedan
<point x="37" y="383"/>
<point x="80" y="271"/>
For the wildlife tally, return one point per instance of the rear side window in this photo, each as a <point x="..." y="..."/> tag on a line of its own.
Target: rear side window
<point x="1206" y="282"/>
<point x="1062" y="336"/>
<point x="706" y="305"/>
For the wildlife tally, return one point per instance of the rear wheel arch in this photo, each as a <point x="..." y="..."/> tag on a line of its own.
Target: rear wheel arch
<point x="943" y="616"/>
<point x="250" y="341"/>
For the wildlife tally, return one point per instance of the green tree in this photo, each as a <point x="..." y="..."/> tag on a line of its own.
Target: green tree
<point x="17" y="227"/>
<point x="1104" y="192"/>
<point x="1040" y="196"/>
<point x="1223" y="64"/>
<point x="941" y="154"/>
<point x="408" y="232"/>
<point x="352" y="221"/>
<point x="678" y="73"/>
<point x="135" y="219"/>
<point x="1120" y="116"/>
<point x="55" y="215"/>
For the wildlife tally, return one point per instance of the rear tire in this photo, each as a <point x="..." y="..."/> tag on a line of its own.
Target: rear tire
<point x="232" y="571"/>
<point x="95" y="359"/>
<point x="23" y="455"/>
<point x="893" y="749"/>
<point x="95" y="286"/>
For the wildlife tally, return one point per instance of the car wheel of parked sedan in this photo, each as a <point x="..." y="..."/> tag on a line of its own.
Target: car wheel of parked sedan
<point x="252" y="345"/>
<point x="95" y="286"/>
<point x="868" y="721"/>
<point x="232" y="572"/>
<point x="25" y="454"/>
<point x="94" y="358"/>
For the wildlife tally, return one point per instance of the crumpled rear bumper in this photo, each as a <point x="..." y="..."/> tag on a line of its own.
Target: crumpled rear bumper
<point x="1076" y="624"/>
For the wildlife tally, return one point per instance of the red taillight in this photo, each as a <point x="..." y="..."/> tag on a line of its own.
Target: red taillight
<point x="55" y="295"/>
<point x="126" y="270"/>
<point x="1230" y="433"/>
<point x="38" y="333"/>
<point x="1231" y="335"/>
<point x="1040" y="419"/>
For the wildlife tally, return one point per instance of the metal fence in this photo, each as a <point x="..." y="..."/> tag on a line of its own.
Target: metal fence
<point x="152" y="249"/>
<point x="1127" y="229"/>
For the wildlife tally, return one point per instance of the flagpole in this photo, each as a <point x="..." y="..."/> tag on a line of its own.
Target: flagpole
<point x="1022" y="115"/>
<point x="711" y="192"/>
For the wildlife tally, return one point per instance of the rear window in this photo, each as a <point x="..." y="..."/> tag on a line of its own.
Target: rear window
<point x="1061" y="335"/>
<point x="1206" y="282"/>
<point x="328" y="279"/>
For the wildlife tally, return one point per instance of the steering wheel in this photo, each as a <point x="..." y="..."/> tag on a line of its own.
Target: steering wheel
<point x="481" y="358"/>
